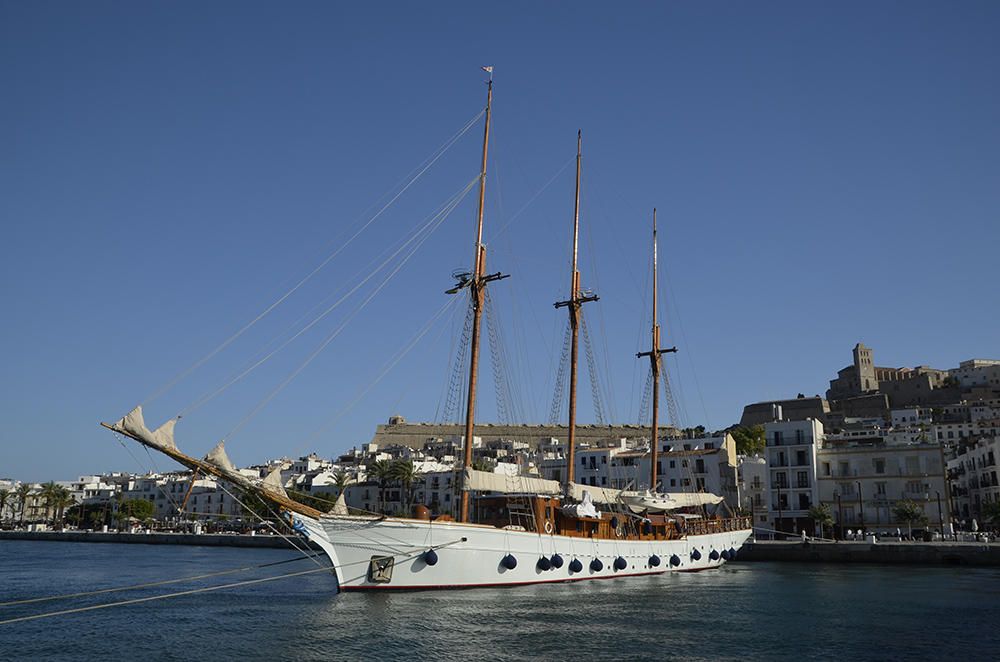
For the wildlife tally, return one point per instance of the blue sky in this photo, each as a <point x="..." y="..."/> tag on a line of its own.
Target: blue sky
<point x="825" y="173"/>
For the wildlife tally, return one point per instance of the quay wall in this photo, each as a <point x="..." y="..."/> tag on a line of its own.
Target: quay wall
<point x="209" y="540"/>
<point x="902" y="553"/>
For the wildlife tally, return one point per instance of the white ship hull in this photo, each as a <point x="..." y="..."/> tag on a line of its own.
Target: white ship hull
<point x="470" y="555"/>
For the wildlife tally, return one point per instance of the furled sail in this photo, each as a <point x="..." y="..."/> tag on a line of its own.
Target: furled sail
<point x="486" y="481"/>
<point x="217" y="456"/>
<point x="133" y="425"/>
<point x="691" y="499"/>
<point x="273" y="482"/>
<point x="339" y="507"/>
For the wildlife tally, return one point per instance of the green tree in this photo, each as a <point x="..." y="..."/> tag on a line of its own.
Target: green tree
<point x="139" y="509"/>
<point x="991" y="514"/>
<point x="6" y="496"/>
<point x="51" y="495"/>
<point x="821" y="514"/>
<point x="910" y="513"/>
<point x="750" y="440"/>
<point x="23" y="492"/>
<point x="381" y="470"/>
<point x="405" y="473"/>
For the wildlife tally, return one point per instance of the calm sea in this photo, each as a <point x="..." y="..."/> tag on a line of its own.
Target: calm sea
<point x="745" y="610"/>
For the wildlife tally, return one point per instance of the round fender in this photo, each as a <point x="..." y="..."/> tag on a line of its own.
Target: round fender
<point x="675" y="560"/>
<point x="557" y="561"/>
<point x="575" y="565"/>
<point x="714" y="555"/>
<point x="430" y="557"/>
<point x="509" y="562"/>
<point x="654" y="561"/>
<point x="596" y="565"/>
<point x="544" y="563"/>
<point x="620" y="563"/>
<point x="695" y="555"/>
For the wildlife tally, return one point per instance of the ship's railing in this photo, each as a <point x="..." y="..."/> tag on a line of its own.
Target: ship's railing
<point x="700" y="527"/>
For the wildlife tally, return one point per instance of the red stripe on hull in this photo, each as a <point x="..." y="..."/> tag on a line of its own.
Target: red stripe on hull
<point x="436" y="587"/>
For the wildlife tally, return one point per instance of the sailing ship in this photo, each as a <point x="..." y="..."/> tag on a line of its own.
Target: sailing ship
<point x="524" y="530"/>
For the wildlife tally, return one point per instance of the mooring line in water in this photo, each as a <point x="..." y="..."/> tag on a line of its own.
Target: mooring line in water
<point x="206" y="589"/>
<point x="134" y="587"/>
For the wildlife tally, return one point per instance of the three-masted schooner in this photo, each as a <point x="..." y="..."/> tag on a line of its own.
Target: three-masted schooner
<point x="561" y="536"/>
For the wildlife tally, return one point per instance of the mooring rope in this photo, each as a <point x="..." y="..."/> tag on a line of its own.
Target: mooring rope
<point x="120" y="603"/>
<point x="134" y="587"/>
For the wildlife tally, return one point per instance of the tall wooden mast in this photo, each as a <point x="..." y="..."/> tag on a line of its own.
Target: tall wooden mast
<point x="573" y="304"/>
<point x="654" y="364"/>
<point x="476" y="282"/>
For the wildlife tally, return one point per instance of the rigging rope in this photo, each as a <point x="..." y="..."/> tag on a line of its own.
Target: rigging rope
<point x="556" y="409"/>
<point x="426" y="230"/>
<point x="134" y="587"/>
<point x="595" y="386"/>
<point x="421" y="169"/>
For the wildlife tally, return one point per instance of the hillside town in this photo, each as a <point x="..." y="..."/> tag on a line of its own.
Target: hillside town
<point x="899" y="452"/>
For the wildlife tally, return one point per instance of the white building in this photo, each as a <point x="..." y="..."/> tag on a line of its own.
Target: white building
<point x="862" y="483"/>
<point x="790" y="452"/>
<point x="974" y="480"/>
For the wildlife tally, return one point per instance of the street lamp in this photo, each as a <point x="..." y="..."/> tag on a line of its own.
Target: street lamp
<point x="840" y="516"/>
<point x="861" y="509"/>
<point x="940" y="515"/>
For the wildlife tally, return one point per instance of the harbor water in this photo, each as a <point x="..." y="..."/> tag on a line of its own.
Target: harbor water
<point x="752" y="610"/>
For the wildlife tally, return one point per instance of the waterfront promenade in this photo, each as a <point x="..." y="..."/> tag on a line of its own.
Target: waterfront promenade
<point x="896" y="553"/>
<point x="158" y="538"/>
<point x="785" y="551"/>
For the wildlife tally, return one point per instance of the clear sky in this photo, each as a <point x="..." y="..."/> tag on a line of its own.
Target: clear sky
<point x="825" y="173"/>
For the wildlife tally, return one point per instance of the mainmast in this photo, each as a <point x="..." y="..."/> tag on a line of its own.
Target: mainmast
<point x="573" y="305"/>
<point x="654" y="364"/>
<point x="476" y="282"/>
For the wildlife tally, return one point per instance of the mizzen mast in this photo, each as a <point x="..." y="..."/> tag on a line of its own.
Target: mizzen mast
<point x="654" y="364"/>
<point x="476" y="282"/>
<point x="573" y="305"/>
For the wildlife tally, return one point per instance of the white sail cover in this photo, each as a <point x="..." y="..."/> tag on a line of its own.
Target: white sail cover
<point x="163" y="436"/>
<point x="691" y="499"/>
<point x="273" y="482"/>
<point x="486" y="481"/>
<point x="133" y="425"/>
<point x="340" y="506"/>
<point x="217" y="456"/>
<point x="598" y="494"/>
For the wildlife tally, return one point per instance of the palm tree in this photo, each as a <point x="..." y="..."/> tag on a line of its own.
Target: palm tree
<point x="50" y="493"/>
<point x="821" y="515"/>
<point x="382" y="471"/>
<point x="22" y="493"/>
<point x="5" y="496"/>
<point x="341" y="480"/>
<point x="406" y="474"/>
<point x="62" y="498"/>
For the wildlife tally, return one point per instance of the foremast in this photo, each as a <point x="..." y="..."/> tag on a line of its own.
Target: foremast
<point x="654" y="363"/>
<point x="573" y="306"/>
<point x="476" y="283"/>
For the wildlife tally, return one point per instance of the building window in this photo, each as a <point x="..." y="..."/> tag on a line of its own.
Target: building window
<point x="879" y="463"/>
<point x="673" y="464"/>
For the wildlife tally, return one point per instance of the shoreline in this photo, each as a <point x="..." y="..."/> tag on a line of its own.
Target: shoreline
<point x="784" y="551"/>
<point x="880" y="553"/>
<point x="159" y="538"/>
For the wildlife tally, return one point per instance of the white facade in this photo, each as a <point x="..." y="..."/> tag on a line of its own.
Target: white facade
<point x="862" y="483"/>
<point x="974" y="478"/>
<point x="790" y="452"/>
